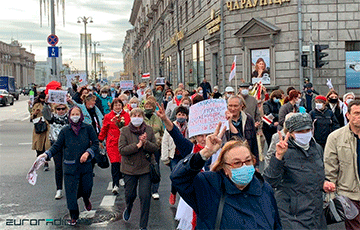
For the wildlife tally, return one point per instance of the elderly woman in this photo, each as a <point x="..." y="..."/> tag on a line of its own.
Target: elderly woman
<point x="137" y="145"/>
<point x="133" y="104"/>
<point x="347" y="98"/>
<point x="105" y="99"/>
<point x="80" y="144"/>
<point x="57" y="120"/>
<point x="154" y="122"/>
<point x="110" y="131"/>
<point x="297" y="172"/>
<point x="178" y="94"/>
<point x="232" y="195"/>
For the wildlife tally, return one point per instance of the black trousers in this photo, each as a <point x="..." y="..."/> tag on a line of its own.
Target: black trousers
<point x="58" y="161"/>
<point x="131" y="184"/>
<point x="115" y="173"/>
<point x="155" y="187"/>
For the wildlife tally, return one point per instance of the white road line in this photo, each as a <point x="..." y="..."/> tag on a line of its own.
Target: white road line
<point x="87" y="214"/>
<point x="0" y="144"/>
<point x="110" y="187"/>
<point x="26" y="118"/>
<point x="26" y="143"/>
<point x="108" y="201"/>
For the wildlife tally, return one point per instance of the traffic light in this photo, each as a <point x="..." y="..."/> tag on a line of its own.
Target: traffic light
<point x="320" y="55"/>
<point x="304" y="60"/>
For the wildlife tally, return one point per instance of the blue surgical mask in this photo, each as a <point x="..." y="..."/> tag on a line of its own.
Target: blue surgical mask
<point x="243" y="175"/>
<point x="181" y="120"/>
<point x="276" y="100"/>
<point x="179" y="97"/>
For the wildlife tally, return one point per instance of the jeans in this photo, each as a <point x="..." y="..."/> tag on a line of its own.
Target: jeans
<point x="155" y="187"/>
<point x="131" y="184"/>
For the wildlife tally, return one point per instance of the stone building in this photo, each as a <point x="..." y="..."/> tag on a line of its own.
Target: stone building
<point x="17" y="62"/>
<point x="182" y="41"/>
<point x="128" y="54"/>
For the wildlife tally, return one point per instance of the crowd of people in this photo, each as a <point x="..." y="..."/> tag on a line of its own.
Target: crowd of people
<point x="309" y="144"/>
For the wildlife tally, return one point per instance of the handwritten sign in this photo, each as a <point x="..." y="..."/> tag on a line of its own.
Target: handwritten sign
<point x="57" y="96"/>
<point x="205" y="115"/>
<point x="127" y="85"/>
<point x="78" y="78"/>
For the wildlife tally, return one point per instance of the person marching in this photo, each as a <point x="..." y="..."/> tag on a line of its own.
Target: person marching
<point x="110" y="131"/>
<point x="80" y="144"/>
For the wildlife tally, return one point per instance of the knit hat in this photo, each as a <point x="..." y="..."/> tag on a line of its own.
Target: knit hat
<point x="299" y="122"/>
<point x="320" y="97"/>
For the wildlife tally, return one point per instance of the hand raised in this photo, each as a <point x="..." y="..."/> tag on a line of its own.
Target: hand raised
<point x="228" y="115"/>
<point x="282" y="146"/>
<point x="161" y="112"/>
<point x="213" y="142"/>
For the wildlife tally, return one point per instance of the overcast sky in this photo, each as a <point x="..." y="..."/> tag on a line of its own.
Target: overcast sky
<point x="20" y="20"/>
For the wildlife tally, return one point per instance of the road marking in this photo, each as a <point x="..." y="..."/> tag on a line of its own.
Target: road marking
<point x="26" y="118"/>
<point x="0" y="144"/>
<point x="108" y="201"/>
<point x="26" y="143"/>
<point x="87" y="214"/>
<point x="110" y="187"/>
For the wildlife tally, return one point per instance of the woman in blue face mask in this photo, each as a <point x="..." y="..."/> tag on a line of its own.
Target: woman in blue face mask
<point x="297" y="172"/>
<point x="233" y="186"/>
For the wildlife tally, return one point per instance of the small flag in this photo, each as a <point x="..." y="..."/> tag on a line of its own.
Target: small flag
<point x="233" y="70"/>
<point x="268" y="119"/>
<point x="145" y="76"/>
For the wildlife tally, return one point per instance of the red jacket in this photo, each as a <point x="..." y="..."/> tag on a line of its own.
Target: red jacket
<point x="111" y="132"/>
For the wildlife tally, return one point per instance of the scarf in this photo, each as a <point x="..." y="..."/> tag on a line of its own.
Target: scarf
<point x="76" y="126"/>
<point x="177" y="101"/>
<point x="138" y="131"/>
<point x="197" y="148"/>
<point x="183" y="129"/>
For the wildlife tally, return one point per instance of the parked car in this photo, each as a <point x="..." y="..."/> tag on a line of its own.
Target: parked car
<point x="26" y="90"/>
<point x="6" y="98"/>
<point x="8" y="83"/>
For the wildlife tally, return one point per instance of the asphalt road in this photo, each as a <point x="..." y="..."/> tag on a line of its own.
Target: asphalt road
<point x="20" y="201"/>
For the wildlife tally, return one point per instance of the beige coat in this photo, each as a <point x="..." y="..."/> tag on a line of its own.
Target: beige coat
<point x="167" y="148"/>
<point x="340" y="159"/>
<point x="39" y="141"/>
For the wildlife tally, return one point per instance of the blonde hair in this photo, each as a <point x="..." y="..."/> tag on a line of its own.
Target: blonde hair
<point x="177" y="90"/>
<point x="220" y="162"/>
<point x="54" y="106"/>
<point x="137" y="111"/>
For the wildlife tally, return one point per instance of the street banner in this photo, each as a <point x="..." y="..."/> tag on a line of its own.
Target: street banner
<point x="233" y="70"/>
<point x="57" y="96"/>
<point x="205" y="115"/>
<point x="127" y="85"/>
<point x="145" y="76"/>
<point x="78" y="78"/>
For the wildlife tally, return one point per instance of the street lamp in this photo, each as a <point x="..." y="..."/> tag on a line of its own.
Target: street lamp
<point x="95" y="57"/>
<point x="85" y="20"/>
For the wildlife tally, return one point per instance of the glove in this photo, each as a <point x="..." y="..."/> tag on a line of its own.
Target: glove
<point x="329" y="84"/>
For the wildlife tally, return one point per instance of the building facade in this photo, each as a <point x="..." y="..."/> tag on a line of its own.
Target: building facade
<point x="17" y="62"/>
<point x="188" y="40"/>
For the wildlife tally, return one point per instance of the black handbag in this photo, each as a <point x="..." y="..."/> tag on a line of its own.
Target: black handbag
<point x="338" y="209"/>
<point x="155" y="176"/>
<point x="40" y="126"/>
<point x="102" y="159"/>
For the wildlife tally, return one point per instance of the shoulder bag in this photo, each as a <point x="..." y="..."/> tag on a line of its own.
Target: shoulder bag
<point x="40" y="126"/>
<point x="102" y="159"/>
<point x="221" y="206"/>
<point x="155" y="176"/>
<point x="338" y="209"/>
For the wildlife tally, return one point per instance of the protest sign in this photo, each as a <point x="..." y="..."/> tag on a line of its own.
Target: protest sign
<point x="205" y="115"/>
<point x="78" y="78"/>
<point x="32" y="175"/>
<point x="57" y="96"/>
<point x="160" y="81"/>
<point x="127" y="85"/>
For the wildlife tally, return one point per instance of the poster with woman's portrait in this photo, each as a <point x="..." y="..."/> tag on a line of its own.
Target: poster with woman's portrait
<point x="260" y="66"/>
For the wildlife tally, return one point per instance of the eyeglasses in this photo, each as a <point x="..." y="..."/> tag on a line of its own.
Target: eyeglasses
<point x="239" y="164"/>
<point x="58" y="109"/>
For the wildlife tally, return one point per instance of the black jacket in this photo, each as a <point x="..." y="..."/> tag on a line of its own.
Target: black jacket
<point x="324" y="123"/>
<point x="299" y="179"/>
<point x="271" y="107"/>
<point x="338" y="114"/>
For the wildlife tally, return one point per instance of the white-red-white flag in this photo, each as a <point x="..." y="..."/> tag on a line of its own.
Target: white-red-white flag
<point x="145" y="76"/>
<point x="233" y="70"/>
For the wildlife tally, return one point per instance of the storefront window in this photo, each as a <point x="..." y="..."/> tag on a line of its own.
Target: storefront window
<point x="198" y="62"/>
<point x="195" y="65"/>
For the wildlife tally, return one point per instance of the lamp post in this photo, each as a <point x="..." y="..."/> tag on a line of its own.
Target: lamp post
<point x="85" y="20"/>
<point x="95" y="57"/>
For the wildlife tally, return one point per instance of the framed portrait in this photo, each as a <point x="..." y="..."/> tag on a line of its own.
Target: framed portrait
<point x="352" y="69"/>
<point x="260" y="66"/>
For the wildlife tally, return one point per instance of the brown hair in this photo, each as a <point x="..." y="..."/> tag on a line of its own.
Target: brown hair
<point x="292" y="94"/>
<point x="197" y="99"/>
<point x="151" y="103"/>
<point x="137" y="111"/>
<point x="116" y="100"/>
<point x="276" y="93"/>
<point x="352" y="103"/>
<point x="186" y="99"/>
<point x="88" y="97"/>
<point x="219" y="163"/>
<point x="332" y="91"/>
<point x="257" y="62"/>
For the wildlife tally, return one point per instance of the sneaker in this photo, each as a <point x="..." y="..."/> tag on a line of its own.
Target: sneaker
<point x="72" y="222"/>
<point x="115" y="190"/>
<point x="155" y="196"/>
<point x="172" y="199"/>
<point x="58" y="195"/>
<point x="122" y="182"/>
<point x="126" y="215"/>
<point x="88" y="206"/>
<point x="46" y="167"/>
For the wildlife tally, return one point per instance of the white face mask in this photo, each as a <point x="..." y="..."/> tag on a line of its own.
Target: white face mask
<point x="245" y="92"/>
<point x="298" y="102"/>
<point x="75" y="119"/>
<point x="103" y="95"/>
<point x="133" y="105"/>
<point x="137" y="121"/>
<point x="319" y="106"/>
<point x="303" y="138"/>
<point x="348" y="101"/>
<point x="228" y="95"/>
<point x="200" y="92"/>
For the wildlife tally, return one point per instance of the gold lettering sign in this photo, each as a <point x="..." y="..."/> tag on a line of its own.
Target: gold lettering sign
<point x="213" y="26"/>
<point x="245" y="4"/>
<point x="177" y="37"/>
